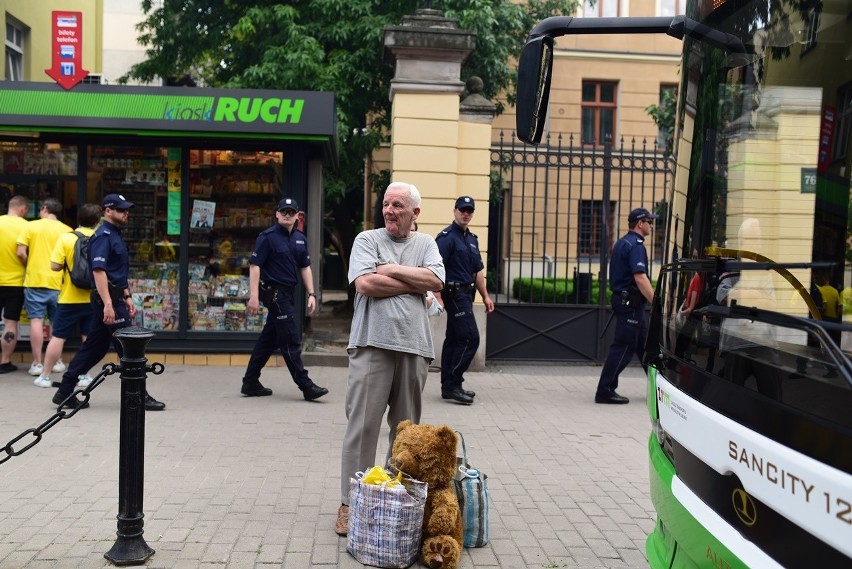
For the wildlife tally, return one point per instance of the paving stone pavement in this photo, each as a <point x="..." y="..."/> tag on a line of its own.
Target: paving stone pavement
<point x="253" y="482"/>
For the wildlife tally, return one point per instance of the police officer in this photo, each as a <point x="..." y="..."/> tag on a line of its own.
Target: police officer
<point x="279" y="259"/>
<point x="465" y="276"/>
<point x="111" y="301"/>
<point x="631" y="289"/>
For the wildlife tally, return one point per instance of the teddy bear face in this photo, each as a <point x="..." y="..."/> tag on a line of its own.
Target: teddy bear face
<point x="425" y="452"/>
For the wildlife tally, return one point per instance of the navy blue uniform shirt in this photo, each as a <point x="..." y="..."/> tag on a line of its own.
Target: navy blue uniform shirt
<point x="281" y="255"/>
<point x="628" y="257"/>
<point x="108" y="251"/>
<point x="460" y="251"/>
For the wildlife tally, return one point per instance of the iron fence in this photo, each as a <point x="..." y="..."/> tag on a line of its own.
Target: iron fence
<point x="560" y="206"/>
<point x="556" y="210"/>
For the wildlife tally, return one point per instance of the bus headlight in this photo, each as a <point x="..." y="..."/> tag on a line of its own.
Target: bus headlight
<point x="664" y="440"/>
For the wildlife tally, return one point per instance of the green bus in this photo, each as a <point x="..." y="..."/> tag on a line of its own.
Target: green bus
<point x="749" y="374"/>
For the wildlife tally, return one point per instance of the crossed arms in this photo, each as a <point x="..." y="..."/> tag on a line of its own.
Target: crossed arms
<point x="391" y="280"/>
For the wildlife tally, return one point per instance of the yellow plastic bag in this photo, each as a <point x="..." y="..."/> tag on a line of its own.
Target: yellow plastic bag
<point x="378" y="476"/>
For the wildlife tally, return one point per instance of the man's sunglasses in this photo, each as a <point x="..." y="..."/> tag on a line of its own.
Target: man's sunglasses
<point x="287" y="212"/>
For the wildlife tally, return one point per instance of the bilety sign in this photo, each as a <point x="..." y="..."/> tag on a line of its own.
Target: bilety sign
<point x="67" y="49"/>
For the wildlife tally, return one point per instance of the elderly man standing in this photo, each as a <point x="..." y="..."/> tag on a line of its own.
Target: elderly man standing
<point x="390" y="343"/>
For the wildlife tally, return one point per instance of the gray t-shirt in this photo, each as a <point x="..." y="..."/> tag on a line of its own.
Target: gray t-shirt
<point x="398" y="323"/>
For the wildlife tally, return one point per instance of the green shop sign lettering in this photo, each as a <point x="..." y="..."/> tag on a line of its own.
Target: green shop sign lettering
<point x="290" y="114"/>
<point x="243" y="109"/>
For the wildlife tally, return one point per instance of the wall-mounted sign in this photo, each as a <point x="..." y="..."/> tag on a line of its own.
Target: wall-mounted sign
<point x="301" y="115"/>
<point x="826" y="135"/>
<point x="809" y="180"/>
<point x="67" y="49"/>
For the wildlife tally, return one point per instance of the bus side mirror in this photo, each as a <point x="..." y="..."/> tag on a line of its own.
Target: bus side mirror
<point x="534" y="70"/>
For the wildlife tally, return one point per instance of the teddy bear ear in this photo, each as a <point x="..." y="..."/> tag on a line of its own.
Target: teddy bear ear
<point x="448" y="437"/>
<point x="402" y="425"/>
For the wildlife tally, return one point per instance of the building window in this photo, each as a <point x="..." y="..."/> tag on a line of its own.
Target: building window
<point x="601" y="9"/>
<point x="589" y="226"/>
<point x="14" y="51"/>
<point x="598" y="111"/>
<point x="843" y="134"/>
<point x="672" y="7"/>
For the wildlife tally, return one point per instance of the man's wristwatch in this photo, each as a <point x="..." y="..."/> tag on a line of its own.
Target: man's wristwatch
<point x="312" y="294"/>
<point x="126" y="296"/>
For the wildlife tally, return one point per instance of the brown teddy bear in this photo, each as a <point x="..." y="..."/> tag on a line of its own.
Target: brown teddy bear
<point x="428" y="453"/>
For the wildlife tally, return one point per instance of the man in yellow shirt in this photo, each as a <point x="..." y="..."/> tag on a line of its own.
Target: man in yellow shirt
<point x="75" y="306"/>
<point x="11" y="278"/>
<point x="41" y="284"/>
<point x="832" y="306"/>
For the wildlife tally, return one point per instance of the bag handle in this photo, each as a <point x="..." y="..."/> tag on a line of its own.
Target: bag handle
<point x="464" y="447"/>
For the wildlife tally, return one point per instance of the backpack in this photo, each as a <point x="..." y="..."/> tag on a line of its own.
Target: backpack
<point x="81" y="272"/>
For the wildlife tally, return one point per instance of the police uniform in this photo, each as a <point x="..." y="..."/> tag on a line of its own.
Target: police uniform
<point x="628" y="257"/>
<point x="107" y="251"/>
<point x="280" y="256"/>
<point x="462" y="261"/>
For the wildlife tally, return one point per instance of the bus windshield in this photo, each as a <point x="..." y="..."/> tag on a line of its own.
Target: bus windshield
<point x="750" y="384"/>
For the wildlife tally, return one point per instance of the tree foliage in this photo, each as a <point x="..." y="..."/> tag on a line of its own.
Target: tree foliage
<point x="664" y="117"/>
<point x="327" y="45"/>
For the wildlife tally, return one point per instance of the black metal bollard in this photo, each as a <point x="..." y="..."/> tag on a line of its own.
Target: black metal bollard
<point x="130" y="547"/>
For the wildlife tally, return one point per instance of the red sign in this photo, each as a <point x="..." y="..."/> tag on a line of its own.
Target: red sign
<point x="67" y="67"/>
<point x="826" y="135"/>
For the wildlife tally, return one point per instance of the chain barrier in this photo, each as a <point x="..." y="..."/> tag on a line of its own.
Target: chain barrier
<point x="8" y="451"/>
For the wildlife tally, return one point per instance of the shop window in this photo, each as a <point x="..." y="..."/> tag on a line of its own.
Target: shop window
<point x="233" y="196"/>
<point x="602" y="9"/>
<point x="589" y="226"/>
<point x="598" y="113"/>
<point x="140" y="174"/>
<point x="15" y="35"/>
<point x="37" y="171"/>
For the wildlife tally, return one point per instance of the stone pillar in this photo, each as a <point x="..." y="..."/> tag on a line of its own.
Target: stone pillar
<point x="438" y="144"/>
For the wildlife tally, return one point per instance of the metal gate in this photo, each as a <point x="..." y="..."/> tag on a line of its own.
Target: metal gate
<point x="555" y="211"/>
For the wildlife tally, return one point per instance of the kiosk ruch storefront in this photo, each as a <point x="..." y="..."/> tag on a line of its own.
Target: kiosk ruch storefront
<point x="205" y="168"/>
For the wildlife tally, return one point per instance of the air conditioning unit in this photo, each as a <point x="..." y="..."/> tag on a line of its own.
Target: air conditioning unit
<point x="92" y="79"/>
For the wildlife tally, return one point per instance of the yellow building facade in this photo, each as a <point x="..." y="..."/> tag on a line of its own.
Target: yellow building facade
<point x="28" y="29"/>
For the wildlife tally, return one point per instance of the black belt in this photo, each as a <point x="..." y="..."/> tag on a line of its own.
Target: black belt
<point x="452" y="287"/>
<point x="277" y="286"/>
<point x="629" y="297"/>
<point x="116" y="297"/>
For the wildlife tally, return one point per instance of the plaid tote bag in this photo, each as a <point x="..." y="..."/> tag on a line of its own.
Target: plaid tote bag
<point x="385" y="523"/>
<point x="472" y="491"/>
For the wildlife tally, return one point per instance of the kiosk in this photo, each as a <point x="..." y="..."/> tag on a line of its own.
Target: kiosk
<point x="205" y="168"/>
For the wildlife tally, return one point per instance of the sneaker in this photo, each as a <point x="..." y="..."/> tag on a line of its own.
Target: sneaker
<point x="341" y="526"/>
<point x="42" y="381"/>
<point x="8" y="367"/>
<point x="36" y="369"/>
<point x="58" y="367"/>
<point x="84" y="380"/>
